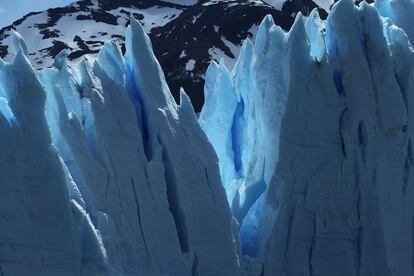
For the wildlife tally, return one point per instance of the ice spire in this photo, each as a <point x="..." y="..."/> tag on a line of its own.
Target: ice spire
<point x="61" y="59"/>
<point x="315" y="29"/>
<point x="19" y="44"/>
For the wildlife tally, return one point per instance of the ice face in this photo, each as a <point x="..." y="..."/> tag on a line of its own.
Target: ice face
<point x="95" y="178"/>
<point x="400" y="11"/>
<point x="323" y="128"/>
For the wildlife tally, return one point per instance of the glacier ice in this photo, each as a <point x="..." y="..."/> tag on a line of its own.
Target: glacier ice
<point x="300" y="163"/>
<point x="94" y="176"/>
<point x="326" y="181"/>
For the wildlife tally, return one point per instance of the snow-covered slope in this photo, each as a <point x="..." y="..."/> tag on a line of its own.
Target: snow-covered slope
<point x="313" y="131"/>
<point x="186" y="35"/>
<point x="83" y="27"/>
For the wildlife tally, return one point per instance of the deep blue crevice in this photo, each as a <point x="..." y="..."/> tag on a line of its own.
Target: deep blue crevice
<point x="249" y="232"/>
<point x="172" y="190"/>
<point x="238" y="135"/>
<point x="402" y="85"/>
<point x="410" y="154"/>
<point x="251" y="194"/>
<point x="337" y="78"/>
<point x="362" y="138"/>
<point x="342" y="118"/>
<point x="136" y="98"/>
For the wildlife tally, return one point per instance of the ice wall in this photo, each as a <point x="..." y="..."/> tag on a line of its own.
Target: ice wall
<point x="315" y="143"/>
<point x="102" y="173"/>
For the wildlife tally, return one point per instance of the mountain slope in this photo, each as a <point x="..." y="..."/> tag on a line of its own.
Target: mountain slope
<point x="185" y="36"/>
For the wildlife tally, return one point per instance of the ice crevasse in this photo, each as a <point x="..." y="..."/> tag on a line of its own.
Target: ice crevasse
<point x="301" y="162"/>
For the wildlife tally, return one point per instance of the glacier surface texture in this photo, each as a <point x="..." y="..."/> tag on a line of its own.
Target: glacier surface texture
<point x="300" y="163"/>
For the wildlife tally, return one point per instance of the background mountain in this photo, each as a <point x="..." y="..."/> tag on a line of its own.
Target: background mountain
<point x="186" y="35"/>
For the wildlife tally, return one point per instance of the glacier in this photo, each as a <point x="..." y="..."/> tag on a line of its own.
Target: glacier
<point x="313" y="131"/>
<point x="300" y="163"/>
<point x="94" y="176"/>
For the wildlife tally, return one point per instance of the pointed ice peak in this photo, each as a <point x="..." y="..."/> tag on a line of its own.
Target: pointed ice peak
<point x="245" y="55"/>
<point x="299" y="16"/>
<point x="223" y="71"/>
<point x="277" y="38"/>
<point x="138" y="31"/>
<point x="369" y="11"/>
<point x="262" y="34"/>
<point x="218" y="90"/>
<point x="186" y="111"/>
<point x="371" y="19"/>
<point x="19" y="44"/>
<point x="217" y="76"/>
<point x="212" y="68"/>
<point x="87" y="77"/>
<point x="298" y="26"/>
<point x="185" y="102"/>
<point x="241" y="69"/>
<point x="315" y="18"/>
<point x="111" y="52"/>
<point x="144" y="69"/>
<point x="267" y="22"/>
<point x="247" y="45"/>
<point x="342" y="25"/>
<point x="61" y="59"/>
<point x="211" y="76"/>
<point x="210" y="79"/>
<point x="112" y="62"/>
<point x="315" y="28"/>
<point x="343" y="7"/>
<point x="297" y="38"/>
<point x="363" y="5"/>
<point x="222" y="64"/>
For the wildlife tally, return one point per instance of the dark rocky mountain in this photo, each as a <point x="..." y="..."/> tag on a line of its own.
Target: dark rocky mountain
<point x="185" y="36"/>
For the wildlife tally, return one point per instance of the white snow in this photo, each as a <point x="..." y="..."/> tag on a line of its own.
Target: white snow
<point x="189" y="66"/>
<point x="183" y="54"/>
